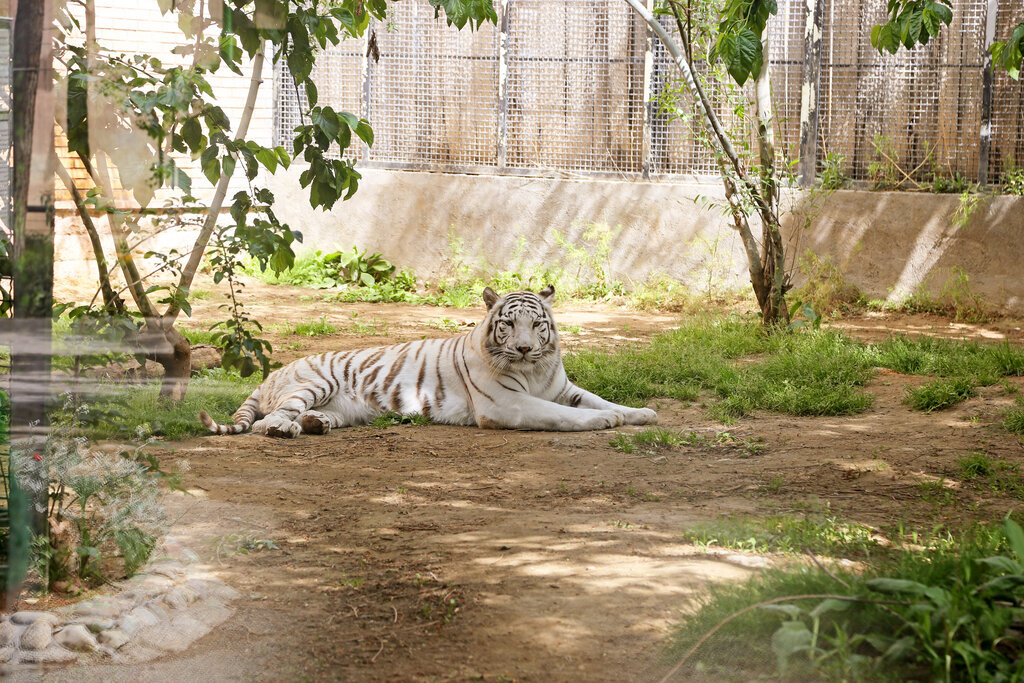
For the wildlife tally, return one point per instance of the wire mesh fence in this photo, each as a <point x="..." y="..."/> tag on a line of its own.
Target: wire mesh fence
<point x="578" y="87"/>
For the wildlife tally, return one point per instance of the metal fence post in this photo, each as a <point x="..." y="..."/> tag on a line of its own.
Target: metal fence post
<point x="987" y="77"/>
<point x="809" y="92"/>
<point x="365" y="103"/>
<point x="645" y="148"/>
<point x="503" y="82"/>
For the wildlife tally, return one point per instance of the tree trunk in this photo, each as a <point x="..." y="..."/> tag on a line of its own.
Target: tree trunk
<point x="176" y="358"/>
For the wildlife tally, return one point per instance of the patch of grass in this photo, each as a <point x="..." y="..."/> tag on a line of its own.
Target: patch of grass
<point x="939" y="394"/>
<point x="936" y="491"/>
<point x="654" y="439"/>
<point x="200" y="294"/>
<point x="983" y="363"/>
<point x="979" y="469"/>
<point x="391" y="419"/>
<point x="121" y="410"/>
<point x="825" y="288"/>
<point x="811" y="373"/>
<point x="367" y="328"/>
<point x="826" y="536"/>
<point x="311" y="328"/>
<point x="195" y="336"/>
<point x="1013" y="420"/>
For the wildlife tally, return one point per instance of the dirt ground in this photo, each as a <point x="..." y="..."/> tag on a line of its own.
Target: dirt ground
<point x="449" y="553"/>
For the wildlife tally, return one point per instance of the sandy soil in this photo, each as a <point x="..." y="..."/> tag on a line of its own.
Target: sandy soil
<point x="447" y="553"/>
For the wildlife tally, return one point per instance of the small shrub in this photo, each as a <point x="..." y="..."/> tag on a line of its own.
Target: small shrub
<point x="834" y="172"/>
<point x="883" y="170"/>
<point x="825" y="288"/>
<point x="939" y="394"/>
<point x="1013" y="181"/>
<point x="1013" y="421"/>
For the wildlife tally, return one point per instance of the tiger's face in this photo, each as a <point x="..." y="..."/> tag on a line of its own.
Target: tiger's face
<point x="520" y="329"/>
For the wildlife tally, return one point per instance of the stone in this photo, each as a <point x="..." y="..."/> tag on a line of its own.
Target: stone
<point x="8" y="632"/>
<point x="144" y="616"/>
<point x="94" y="624"/>
<point x="213" y="589"/>
<point x="77" y="637"/>
<point x="114" y="638"/>
<point x="171" y="569"/>
<point x="158" y="610"/>
<point x="180" y="597"/>
<point x="130" y="625"/>
<point x="53" y="654"/>
<point x="27" y="617"/>
<point x="204" y="357"/>
<point x="105" y="608"/>
<point x="5" y="654"/>
<point x="37" y="636"/>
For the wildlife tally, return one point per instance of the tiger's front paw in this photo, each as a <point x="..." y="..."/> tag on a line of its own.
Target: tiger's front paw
<point x="606" y="419"/>
<point x="641" y="416"/>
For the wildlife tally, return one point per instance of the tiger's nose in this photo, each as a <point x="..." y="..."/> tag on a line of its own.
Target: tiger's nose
<point x="524" y="349"/>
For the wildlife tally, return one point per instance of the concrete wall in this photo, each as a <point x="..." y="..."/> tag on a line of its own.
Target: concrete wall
<point x="887" y="243"/>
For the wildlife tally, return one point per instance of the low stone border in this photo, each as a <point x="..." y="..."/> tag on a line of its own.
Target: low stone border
<point x="164" y="608"/>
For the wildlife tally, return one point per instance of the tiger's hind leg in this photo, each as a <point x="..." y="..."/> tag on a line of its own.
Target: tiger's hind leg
<point x="340" y="411"/>
<point x="281" y="422"/>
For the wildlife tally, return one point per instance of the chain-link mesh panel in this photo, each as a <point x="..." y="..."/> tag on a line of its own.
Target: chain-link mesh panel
<point x="575" y="100"/>
<point x="575" y="82"/>
<point x="1007" y="151"/>
<point x="337" y="73"/>
<point x="918" y="110"/>
<point x="434" y="91"/>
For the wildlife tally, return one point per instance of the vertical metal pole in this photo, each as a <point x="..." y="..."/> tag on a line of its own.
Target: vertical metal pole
<point x="32" y="222"/>
<point x="364" y="108"/>
<point x="647" y="104"/>
<point x="987" y="77"/>
<point x="809" y="92"/>
<point x="503" y="83"/>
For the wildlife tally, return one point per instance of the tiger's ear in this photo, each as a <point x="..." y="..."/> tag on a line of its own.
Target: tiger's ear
<point x="490" y="297"/>
<point x="547" y="293"/>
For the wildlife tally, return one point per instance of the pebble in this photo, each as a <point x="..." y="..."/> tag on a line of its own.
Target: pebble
<point x="37" y="636"/>
<point x="77" y="637"/>
<point x="27" y="617"/>
<point x="114" y="638"/>
<point x="7" y="633"/>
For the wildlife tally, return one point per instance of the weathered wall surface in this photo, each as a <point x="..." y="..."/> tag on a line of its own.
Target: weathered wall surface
<point x="886" y="243"/>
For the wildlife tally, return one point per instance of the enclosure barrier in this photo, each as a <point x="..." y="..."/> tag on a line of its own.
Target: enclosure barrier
<point x="574" y="87"/>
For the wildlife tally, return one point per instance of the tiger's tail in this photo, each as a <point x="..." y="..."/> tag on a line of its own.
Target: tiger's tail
<point x="243" y="417"/>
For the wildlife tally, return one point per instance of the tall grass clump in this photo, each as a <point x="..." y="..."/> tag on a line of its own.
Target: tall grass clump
<point x="984" y="363"/>
<point x="810" y="373"/>
<point x="939" y="394"/>
<point x="676" y="364"/>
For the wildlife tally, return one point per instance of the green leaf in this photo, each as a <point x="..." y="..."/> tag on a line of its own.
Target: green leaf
<point x="192" y="133"/>
<point x="830" y="605"/>
<point x="887" y="585"/>
<point x="790" y="638"/>
<point x="228" y="164"/>
<point x="1015" y="537"/>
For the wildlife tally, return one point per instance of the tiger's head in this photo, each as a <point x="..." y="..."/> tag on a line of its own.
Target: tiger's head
<point x="519" y="327"/>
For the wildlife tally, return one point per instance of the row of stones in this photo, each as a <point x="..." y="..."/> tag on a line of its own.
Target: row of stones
<point x="154" y="604"/>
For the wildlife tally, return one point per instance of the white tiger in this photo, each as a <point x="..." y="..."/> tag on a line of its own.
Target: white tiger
<point x="506" y="373"/>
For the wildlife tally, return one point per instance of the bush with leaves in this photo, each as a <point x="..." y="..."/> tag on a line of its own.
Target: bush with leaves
<point x="104" y="507"/>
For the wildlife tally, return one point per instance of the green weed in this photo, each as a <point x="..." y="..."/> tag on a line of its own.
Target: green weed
<point x="939" y="394"/>
<point x="826" y="536"/>
<point x="311" y="328"/>
<point x="391" y="419"/>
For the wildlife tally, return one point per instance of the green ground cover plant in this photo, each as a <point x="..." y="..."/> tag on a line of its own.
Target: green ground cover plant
<point x="945" y="612"/>
<point x="939" y="394"/>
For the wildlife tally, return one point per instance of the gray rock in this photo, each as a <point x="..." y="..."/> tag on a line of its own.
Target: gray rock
<point x="176" y="598"/>
<point x="171" y="569"/>
<point x="54" y="653"/>
<point x="129" y="625"/>
<point x="8" y="632"/>
<point x="77" y="637"/>
<point x="213" y="589"/>
<point x="114" y="638"/>
<point x="37" y="636"/>
<point x="144" y="616"/>
<point x="5" y="654"/>
<point x="158" y="610"/>
<point x="105" y="608"/>
<point x="94" y="624"/>
<point x="27" y="617"/>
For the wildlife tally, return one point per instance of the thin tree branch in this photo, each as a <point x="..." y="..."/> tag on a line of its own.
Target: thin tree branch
<point x="196" y="258"/>
<point x="110" y="300"/>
